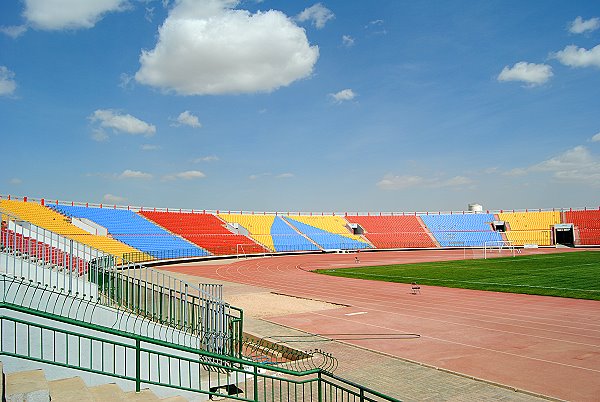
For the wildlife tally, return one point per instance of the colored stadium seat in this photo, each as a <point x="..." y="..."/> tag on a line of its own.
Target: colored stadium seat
<point x="396" y="231"/>
<point x="329" y="232"/>
<point x="461" y="230"/>
<point x="530" y="227"/>
<point x="587" y="223"/>
<point x="136" y="231"/>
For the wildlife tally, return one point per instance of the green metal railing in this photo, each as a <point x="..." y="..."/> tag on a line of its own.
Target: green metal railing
<point x="64" y="264"/>
<point x="61" y="340"/>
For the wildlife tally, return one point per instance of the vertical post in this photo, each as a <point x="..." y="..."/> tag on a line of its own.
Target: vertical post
<point x="138" y="379"/>
<point x="256" y="383"/>
<point x="319" y="388"/>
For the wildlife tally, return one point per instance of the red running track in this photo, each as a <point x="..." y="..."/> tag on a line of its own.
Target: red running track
<point x="546" y="345"/>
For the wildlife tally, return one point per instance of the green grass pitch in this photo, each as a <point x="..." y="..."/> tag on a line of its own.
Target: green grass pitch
<point x="575" y="274"/>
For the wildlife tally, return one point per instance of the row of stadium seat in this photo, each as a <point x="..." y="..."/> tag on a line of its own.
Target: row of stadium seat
<point x="157" y="234"/>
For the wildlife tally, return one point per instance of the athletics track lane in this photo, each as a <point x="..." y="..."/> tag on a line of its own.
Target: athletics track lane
<point x="545" y="345"/>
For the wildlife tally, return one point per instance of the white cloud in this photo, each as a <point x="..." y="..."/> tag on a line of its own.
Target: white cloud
<point x="14" y="31"/>
<point x="596" y="137"/>
<point x="134" y="174"/>
<point x="187" y="175"/>
<point x="286" y="175"/>
<point x="99" y="135"/>
<point x="391" y="182"/>
<point x="343" y="95"/>
<point x="149" y="147"/>
<point x="348" y="40"/>
<point x="113" y="198"/>
<point x="574" y="56"/>
<point x="318" y="14"/>
<point x="530" y="73"/>
<point x="123" y="123"/>
<point x="209" y="48"/>
<point x="187" y="119"/>
<point x="209" y="158"/>
<point x="7" y="83"/>
<point x="69" y="14"/>
<point x="15" y="181"/>
<point x="579" y="25"/>
<point x="126" y="81"/>
<point x="576" y="165"/>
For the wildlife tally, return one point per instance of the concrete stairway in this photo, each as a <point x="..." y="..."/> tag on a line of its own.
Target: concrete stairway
<point x="32" y="386"/>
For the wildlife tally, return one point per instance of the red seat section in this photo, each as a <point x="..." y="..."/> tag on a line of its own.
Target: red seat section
<point x="31" y="248"/>
<point x="397" y="231"/>
<point x="588" y="222"/>
<point x="205" y="230"/>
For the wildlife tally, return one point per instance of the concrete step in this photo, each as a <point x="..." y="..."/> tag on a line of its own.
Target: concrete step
<point x="108" y="392"/>
<point x="174" y="399"/>
<point x="30" y="386"/>
<point x="69" y="390"/>
<point x="142" y="396"/>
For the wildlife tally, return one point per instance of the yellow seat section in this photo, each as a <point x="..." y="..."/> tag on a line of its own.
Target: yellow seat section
<point x="51" y="220"/>
<point x="259" y="227"/>
<point x="530" y="227"/>
<point x="329" y="223"/>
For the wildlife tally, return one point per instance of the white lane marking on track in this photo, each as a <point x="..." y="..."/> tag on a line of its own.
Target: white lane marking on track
<point x="357" y="313"/>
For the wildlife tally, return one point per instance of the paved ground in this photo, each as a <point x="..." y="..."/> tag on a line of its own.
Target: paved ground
<point x="517" y="340"/>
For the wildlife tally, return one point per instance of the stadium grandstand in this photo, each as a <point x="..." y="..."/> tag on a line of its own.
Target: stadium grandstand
<point x="78" y="280"/>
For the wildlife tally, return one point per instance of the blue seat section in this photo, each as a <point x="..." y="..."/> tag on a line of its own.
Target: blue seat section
<point x="136" y="231"/>
<point x="285" y="238"/>
<point x="461" y="230"/>
<point x="327" y="240"/>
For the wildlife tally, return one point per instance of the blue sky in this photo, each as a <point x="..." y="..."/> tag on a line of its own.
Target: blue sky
<point x="302" y="106"/>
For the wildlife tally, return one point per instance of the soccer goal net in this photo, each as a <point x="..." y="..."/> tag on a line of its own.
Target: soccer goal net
<point x="502" y="247"/>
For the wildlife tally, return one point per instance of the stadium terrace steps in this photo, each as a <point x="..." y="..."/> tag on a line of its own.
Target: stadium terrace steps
<point x="393" y="231"/>
<point x="329" y="232"/>
<point x="588" y="223"/>
<point x="33" y="386"/>
<point x="530" y="227"/>
<point x="206" y="231"/>
<point x="258" y="226"/>
<point x="135" y="230"/>
<point x="49" y="219"/>
<point x="461" y="230"/>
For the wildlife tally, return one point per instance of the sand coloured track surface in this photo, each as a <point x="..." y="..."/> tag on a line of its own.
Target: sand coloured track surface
<point x="545" y="345"/>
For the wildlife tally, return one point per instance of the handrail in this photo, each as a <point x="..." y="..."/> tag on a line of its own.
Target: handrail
<point x="149" y="363"/>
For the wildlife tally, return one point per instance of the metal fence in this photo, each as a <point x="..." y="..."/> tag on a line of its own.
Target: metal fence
<point x="61" y="263"/>
<point x="49" y="336"/>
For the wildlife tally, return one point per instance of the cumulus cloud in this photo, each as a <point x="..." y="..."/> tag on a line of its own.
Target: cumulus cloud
<point x="134" y="174"/>
<point x="596" y="138"/>
<point x="210" y="48"/>
<point x="576" y="165"/>
<point x="530" y="73"/>
<point x="187" y="175"/>
<point x="347" y="40"/>
<point x="579" y="25"/>
<point x="392" y="182"/>
<point x="284" y="176"/>
<point x="187" y="119"/>
<point x="7" y="82"/>
<point x="119" y="123"/>
<point x="14" y="31"/>
<point x="69" y="14"/>
<point x="15" y="181"/>
<point x="113" y="198"/>
<point x="343" y="95"/>
<point x="574" y="56"/>
<point x="318" y="14"/>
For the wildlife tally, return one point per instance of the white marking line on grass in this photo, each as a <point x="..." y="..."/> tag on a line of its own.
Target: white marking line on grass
<point x="477" y="282"/>
<point x="357" y="313"/>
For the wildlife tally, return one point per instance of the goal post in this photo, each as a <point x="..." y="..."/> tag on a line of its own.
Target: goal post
<point x="498" y="246"/>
